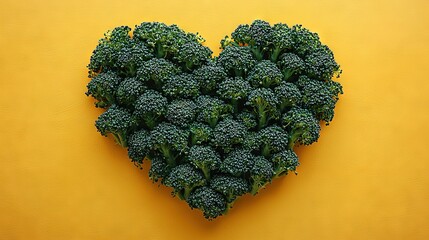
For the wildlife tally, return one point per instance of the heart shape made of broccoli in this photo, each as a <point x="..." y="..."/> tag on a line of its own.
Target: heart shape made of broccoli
<point x="213" y="128"/>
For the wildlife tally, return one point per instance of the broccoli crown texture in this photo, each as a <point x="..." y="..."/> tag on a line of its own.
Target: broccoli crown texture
<point x="213" y="128"/>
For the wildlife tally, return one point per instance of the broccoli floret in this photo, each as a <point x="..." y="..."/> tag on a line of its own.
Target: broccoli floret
<point x="227" y="134"/>
<point x="288" y="95"/>
<point x="291" y="65"/>
<point x="105" y="55"/>
<point x="304" y="40"/>
<point x="209" y="76"/>
<point x="181" y="112"/>
<point x="237" y="163"/>
<point x="320" y="97"/>
<point x="130" y="57"/>
<point x="261" y="174"/>
<point x="248" y="119"/>
<point x="200" y="133"/>
<point x="204" y="158"/>
<point x="103" y="87"/>
<point x="321" y="65"/>
<point x="210" y="110"/>
<point x="129" y="91"/>
<point x="272" y="139"/>
<point x="251" y="142"/>
<point x="237" y="61"/>
<point x="139" y="146"/>
<point x="210" y="202"/>
<point x="116" y="121"/>
<point x="281" y="40"/>
<point x="284" y="162"/>
<point x="170" y="141"/>
<point x="159" y="169"/>
<point x="302" y="127"/>
<point x="183" y="179"/>
<point x="191" y="55"/>
<point x="162" y="39"/>
<point x="181" y="86"/>
<point x="264" y="103"/>
<point x="231" y="187"/>
<point x="234" y="90"/>
<point x="155" y="72"/>
<point x="265" y="74"/>
<point x="150" y="107"/>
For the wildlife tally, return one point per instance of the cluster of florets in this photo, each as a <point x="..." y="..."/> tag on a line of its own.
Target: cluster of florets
<point x="217" y="128"/>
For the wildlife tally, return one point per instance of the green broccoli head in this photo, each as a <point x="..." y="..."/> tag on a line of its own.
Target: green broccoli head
<point x="116" y="121"/>
<point x="183" y="179"/>
<point x="139" y="146"/>
<point x="264" y="102"/>
<point x="103" y="87"/>
<point x="130" y="57"/>
<point x="320" y="97"/>
<point x="291" y="65"/>
<point x="237" y="163"/>
<point x="228" y="134"/>
<point x="304" y="40"/>
<point x="265" y="74"/>
<point x="321" y="65"/>
<point x="237" y="61"/>
<point x="170" y="141"/>
<point x="200" y="133"/>
<point x="302" y="126"/>
<point x="233" y="90"/>
<point x="209" y="76"/>
<point x="150" y="107"/>
<point x="261" y="174"/>
<point x="192" y="55"/>
<point x="272" y="139"/>
<point x="288" y="95"/>
<point x="204" y="158"/>
<point x="181" y="86"/>
<point x="155" y="72"/>
<point x="181" y="112"/>
<point x="159" y="169"/>
<point x="281" y="40"/>
<point x="247" y="119"/>
<point x="128" y="91"/>
<point x="229" y="186"/>
<point x="210" y="202"/>
<point x="284" y="162"/>
<point x="210" y="110"/>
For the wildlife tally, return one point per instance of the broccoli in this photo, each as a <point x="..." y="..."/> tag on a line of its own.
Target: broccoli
<point x="234" y="90"/>
<point x="290" y="65"/>
<point x="155" y="72"/>
<point x="181" y="112"/>
<point x="139" y="146"/>
<point x="150" y="107"/>
<point x="170" y="141"/>
<point x="237" y="61"/>
<point x="261" y="174"/>
<point x="284" y="161"/>
<point x="265" y="74"/>
<point x="204" y="158"/>
<point x="116" y="121"/>
<point x="237" y="163"/>
<point x="183" y="179"/>
<point x="264" y="103"/>
<point x="302" y="127"/>
<point x="210" y="202"/>
<point x="159" y="169"/>
<point x="288" y="95"/>
<point x="213" y="128"/>
<point x="200" y="133"/>
<point x="103" y="88"/>
<point x="272" y="139"/>
<point x="231" y="187"/>
<point x="319" y="97"/>
<point x="210" y="110"/>
<point x="181" y="86"/>
<point x="227" y="134"/>
<point x="128" y="91"/>
<point x="209" y="76"/>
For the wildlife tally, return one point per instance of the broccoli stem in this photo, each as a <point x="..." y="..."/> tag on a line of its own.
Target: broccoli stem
<point x="296" y="133"/>
<point x="275" y="54"/>
<point x="234" y="103"/>
<point x="266" y="150"/>
<point x="160" y="51"/>
<point x="262" y="117"/>
<point x="258" y="53"/>
<point x="169" y="156"/>
<point x="212" y="121"/>
<point x="287" y="73"/>
<point x="150" y="121"/>
<point x="206" y="171"/>
<point x="120" y="139"/>
<point x="255" y="187"/>
<point x="186" y="192"/>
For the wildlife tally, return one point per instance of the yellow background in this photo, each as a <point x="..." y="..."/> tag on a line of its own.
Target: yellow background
<point x="366" y="178"/>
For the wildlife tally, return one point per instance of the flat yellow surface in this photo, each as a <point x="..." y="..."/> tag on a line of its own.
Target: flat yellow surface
<point x="366" y="178"/>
